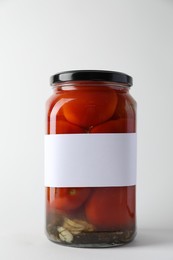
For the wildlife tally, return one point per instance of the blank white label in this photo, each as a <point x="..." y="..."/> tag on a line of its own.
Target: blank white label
<point x="90" y="160"/>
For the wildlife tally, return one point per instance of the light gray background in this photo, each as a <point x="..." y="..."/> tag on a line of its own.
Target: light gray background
<point x="41" y="37"/>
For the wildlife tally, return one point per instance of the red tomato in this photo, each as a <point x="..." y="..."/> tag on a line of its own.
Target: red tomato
<point x="54" y="110"/>
<point x="63" y="127"/>
<point x="90" y="106"/>
<point x="111" y="208"/>
<point x="69" y="198"/>
<point x="115" y="126"/>
<point x="126" y="107"/>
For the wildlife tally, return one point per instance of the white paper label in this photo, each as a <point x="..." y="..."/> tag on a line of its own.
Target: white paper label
<point x="90" y="160"/>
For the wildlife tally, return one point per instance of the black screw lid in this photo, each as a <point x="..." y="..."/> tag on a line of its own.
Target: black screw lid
<point x="93" y="75"/>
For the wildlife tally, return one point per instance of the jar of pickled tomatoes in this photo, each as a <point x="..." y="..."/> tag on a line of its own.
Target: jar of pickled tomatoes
<point x="90" y="159"/>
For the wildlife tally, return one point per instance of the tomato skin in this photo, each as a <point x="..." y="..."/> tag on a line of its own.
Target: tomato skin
<point x="66" y="199"/>
<point x="108" y="208"/>
<point x="88" y="107"/>
<point x="54" y="111"/>
<point x="64" y="127"/>
<point x="115" y="126"/>
<point x="126" y="107"/>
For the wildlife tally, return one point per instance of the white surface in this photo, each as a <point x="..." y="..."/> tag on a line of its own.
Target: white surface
<point x="39" y="38"/>
<point x="155" y="244"/>
<point x="95" y="160"/>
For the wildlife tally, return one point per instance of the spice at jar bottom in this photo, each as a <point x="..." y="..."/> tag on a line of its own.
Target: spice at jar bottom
<point x="90" y="159"/>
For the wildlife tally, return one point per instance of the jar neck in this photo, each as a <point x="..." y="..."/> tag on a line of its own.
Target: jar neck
<point x="81" y="85"/>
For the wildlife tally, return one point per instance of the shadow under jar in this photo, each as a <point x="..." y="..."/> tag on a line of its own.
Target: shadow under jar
<point x="90" y="159"/>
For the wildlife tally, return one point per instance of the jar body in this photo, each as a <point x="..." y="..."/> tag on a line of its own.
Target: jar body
<point x="88" y="215"/>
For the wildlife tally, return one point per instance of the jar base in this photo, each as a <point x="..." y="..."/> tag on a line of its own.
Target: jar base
<point x="97" y="239"/>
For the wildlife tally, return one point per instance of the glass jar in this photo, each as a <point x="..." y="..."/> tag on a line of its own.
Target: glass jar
<point x="90" y="159"/>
